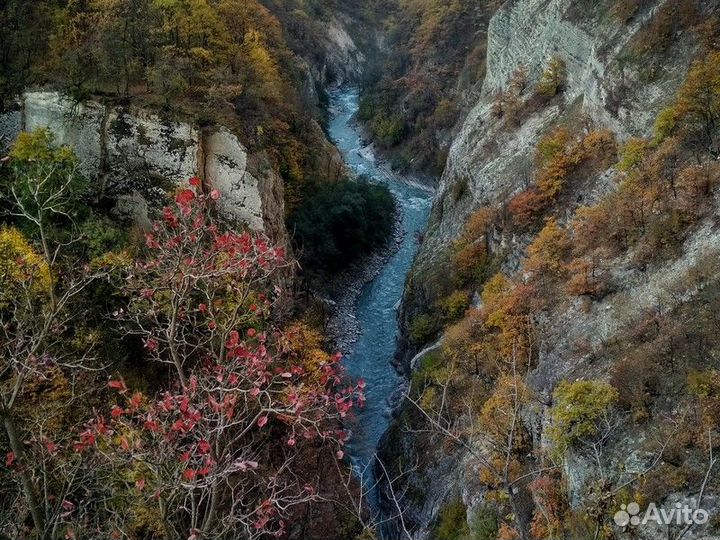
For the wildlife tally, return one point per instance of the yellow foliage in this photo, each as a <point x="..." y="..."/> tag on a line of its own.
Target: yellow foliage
<point x="307" y="345"/>
<point x="547" y="253"/>
<point x="21" y="267"/>
<point x="506" y="308"/>
<point x="633" y="152"/>
<point x="495" y="289"/>
<point x="499" y="415"/>
<point x="37" y="146"/>
<point x="553" y="78"/>
<point x="697" y="109"/>
<point x="560" y="157"/>
<point x="471" y="248"/>
<point x="552" y="145"/>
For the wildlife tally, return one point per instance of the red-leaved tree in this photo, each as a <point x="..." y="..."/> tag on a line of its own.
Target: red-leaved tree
<point x="218" y="452"/>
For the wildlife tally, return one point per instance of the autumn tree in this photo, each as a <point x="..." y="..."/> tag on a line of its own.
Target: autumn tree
<point x="495" y="422"/>
<point x="527" y="207"/>
<point x="472" y="247"/>
<point x="42" y="349"/>
<point x="508" y="312"/>
<point x="696" y="112"/>
<point x="216" y="452"/>
<point x="547" y="254"/>
<point x="553" y="79"/>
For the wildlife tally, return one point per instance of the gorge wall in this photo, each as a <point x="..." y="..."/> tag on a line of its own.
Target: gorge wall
<point x="135" y="155"/>
<point x="609" y="85"/>
<point x="493" y="160"/>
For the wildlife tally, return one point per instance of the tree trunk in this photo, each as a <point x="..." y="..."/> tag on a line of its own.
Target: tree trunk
<point x="27" y="484"/>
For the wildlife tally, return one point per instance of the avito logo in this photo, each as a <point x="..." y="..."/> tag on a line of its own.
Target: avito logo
<point x="679" y="515"/>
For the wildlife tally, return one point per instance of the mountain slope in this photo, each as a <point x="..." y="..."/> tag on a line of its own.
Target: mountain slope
<point x="576" y="216"/>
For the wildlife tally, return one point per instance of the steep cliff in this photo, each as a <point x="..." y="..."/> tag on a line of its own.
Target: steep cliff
<point x="489" y="161"/>
<point x="622" y="64"/>
<point x="135" y="155"/>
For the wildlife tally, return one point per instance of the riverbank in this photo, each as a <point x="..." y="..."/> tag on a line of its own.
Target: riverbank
<point x="365" y="299"/>
<point x="341" y="295"/>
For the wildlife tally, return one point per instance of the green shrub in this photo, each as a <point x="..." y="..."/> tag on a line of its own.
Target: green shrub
<point x="665" y="123"/>
<point x="390" y="130"/>
<point x="484" y="525"/>
<point x="579" y="408"/>
<point x="430" y="368"/>
<point x="341" y="221"/>
<point x="633" y="153"/>
<point x="456" y="304"/>
<point x="422" y="328"/>
<point x="452" y="524"/>
<point x="101" y="235"/>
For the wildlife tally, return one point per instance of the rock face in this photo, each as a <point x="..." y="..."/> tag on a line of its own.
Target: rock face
<point x="136" y="156"/>
<point x="488" y="162"/>
<point x="224" y="156"/>
<point x="10" y="126"/>
<point x="140" y="145"/>
<point x="491" y="160"/>
<point x="77" y="125"/>
<point x="344" y="62"/>
<point x="339" y="61"/>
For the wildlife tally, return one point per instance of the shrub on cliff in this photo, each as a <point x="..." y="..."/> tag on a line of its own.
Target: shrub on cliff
<point x="696" y="113"/>
<point x="453" y="521"/>
<point x="553" y="78"/>
<point x="341" y="222"/>
<point x="581" y="413"/>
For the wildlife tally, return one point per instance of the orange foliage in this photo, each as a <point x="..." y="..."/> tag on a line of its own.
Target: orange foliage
<point x="558" y="158"/>
<point x="547" y="519"/>
<point x="506" y="532"/>
<point x="507" y="310"/>
<point x="547" y="253"/>
<point x="587" y="275"/>
<point x="471" y="249"/>
<point x="526" y="207"/>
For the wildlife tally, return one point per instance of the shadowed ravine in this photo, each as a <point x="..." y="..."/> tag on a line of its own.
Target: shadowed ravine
<point x="372" y="354"/>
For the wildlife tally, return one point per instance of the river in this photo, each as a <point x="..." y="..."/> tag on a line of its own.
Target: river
<point x="376" y="311"/>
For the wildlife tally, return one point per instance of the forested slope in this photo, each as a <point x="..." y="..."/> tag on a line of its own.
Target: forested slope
<point x="577" y="213"/>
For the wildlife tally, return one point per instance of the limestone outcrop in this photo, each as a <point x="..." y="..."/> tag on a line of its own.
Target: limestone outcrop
<point x="135" y="156"/>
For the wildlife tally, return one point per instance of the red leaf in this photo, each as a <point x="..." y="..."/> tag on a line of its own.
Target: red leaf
<point x="262" y="421"/>
<point x="233" y="339"/>
<point x="195" y="181"/>
<point x="50" y="446"/>
<point x="135" y="400"/>
<point x="185" y="197"/>
<point x="116" y="412"/>
<point x="117" y="385"/>
<point x="140" y="484"/>
<point x="9" y="459"/>
<point x="204" y="447"/>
